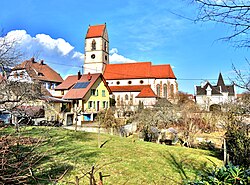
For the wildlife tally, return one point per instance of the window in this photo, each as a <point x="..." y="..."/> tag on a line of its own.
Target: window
<point x="21" y="74"/>
<point x="172" y="90"/>
<point x="93" y="45"/>
<point x="104" y="104"/>
<point x="91" y="104"/>
<point x="126" y="97"/>
<point x="129" y="82"/>
<point x="105" y="46"/>
<point x="118" y="82"/>
<point x="103" y="93"/>
<point x="158" y="90"/>
<point x="165" y="90"/>
<point x="62" y="92"/>
<point x="141" y="81"/>
<point x="49" y="85"/>
<point x="94" y="92"/>
<point x="131" y="99"/>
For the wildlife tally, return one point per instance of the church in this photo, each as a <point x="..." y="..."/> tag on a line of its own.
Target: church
<point x="130" y="83"/>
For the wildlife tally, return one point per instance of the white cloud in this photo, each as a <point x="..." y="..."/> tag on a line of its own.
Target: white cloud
<point x="63" y="46"/>
<point x="57" y="53"/>
<point x="114" y="57"/>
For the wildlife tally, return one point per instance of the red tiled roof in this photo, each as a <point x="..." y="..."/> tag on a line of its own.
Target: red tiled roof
<point x="145" y="90"/>
<point x="80" y="93"/>
<point x="138" y="70"/>
<point x="67" y="83"/>
<point x="95" y="31"/>
<point x="162" y="71"/>
<point x="39" y="71"/>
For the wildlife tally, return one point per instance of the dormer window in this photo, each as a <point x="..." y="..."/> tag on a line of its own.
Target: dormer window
<point x="40" y="74"/>
<point x="93" y="46"/>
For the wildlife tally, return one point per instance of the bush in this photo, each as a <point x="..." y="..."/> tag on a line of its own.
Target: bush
<point x="238" y="144"/>
<point x="227" y="175"/>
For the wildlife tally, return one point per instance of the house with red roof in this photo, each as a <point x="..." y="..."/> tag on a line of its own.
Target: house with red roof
<point x="130" y="83"/>
<point x="89" y="94"/>
<point x="30" y="70"/>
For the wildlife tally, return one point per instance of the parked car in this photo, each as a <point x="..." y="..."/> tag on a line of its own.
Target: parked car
<point x="5" y="118"/>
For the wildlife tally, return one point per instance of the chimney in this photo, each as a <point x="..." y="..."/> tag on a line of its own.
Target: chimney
<point x="78" y="75"/>
<point x="32" y="59"/>
<point x="89" y="76"/>
<point x="42" y="62"/>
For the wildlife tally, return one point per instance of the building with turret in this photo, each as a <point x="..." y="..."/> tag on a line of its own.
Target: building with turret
<point x="207" y="94"/>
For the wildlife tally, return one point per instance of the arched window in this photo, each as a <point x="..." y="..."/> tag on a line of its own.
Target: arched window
<point x="131" y="99"/>
<point x="172" y="90"/>
<point x="126" y="97"/>
<point x="158" y="90"/>
<point x="165" y="90"/>
<point x="105" y="46"/>
<point x="118" y="100"/>
<point x="93" y="45"/>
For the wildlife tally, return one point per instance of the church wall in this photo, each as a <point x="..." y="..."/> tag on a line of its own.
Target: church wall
<point x="148" y="102"/>
<point x="121" y="100"/>
<point x="126" y="82"/>
<point x="152" y="82"/>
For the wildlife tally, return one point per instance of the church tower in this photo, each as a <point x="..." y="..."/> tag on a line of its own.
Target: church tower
<point x="96" y="49"/>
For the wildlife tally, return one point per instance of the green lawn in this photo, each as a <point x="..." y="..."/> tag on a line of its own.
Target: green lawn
<point x="126" y="160"/>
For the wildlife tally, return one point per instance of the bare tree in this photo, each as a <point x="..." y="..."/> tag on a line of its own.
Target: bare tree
<point x="242" y="79"/>
<point x="234" y="13"/>
<point x="9" y="54"/>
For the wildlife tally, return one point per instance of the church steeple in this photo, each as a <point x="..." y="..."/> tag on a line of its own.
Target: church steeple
<point x="220" y="83"/>
<point x="96" y="49"/>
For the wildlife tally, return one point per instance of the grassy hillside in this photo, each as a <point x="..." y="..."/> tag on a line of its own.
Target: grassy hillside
<point x="126" y="160"/>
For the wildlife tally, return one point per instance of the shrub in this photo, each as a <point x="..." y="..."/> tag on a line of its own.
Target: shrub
<point x="227" y="175"/>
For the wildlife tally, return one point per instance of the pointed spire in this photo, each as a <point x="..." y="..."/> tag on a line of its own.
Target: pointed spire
<point x="221" y="83"/>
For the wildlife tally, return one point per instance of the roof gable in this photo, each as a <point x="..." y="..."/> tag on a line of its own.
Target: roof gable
<point x="146" y="92"/>
<point x="83" y="85"/>
<point x="39" y="71"/>
<point x="96" y="31"/>
<point x="217" y="89"/>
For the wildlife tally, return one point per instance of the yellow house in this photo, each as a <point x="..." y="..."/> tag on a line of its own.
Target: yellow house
<point x="89" y="94"/>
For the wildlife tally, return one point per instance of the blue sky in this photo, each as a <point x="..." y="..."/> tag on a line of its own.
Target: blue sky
<point x="139" y="30"/>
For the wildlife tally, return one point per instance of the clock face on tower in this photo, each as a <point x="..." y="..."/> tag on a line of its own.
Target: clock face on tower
<point x="93" y="56"/>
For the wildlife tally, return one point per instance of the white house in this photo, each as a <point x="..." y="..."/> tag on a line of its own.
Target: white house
<point x="208" y="94"/>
